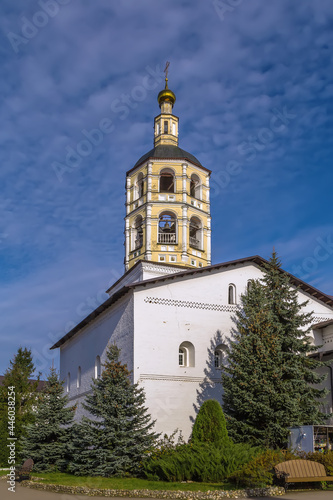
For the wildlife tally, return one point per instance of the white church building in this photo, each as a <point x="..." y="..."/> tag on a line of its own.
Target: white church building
<point x="171" y="312"/>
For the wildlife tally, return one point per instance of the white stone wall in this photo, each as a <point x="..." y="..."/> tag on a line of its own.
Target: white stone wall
<point x="149" y="325"/>
<point x="114" y="325"/>
<point x="195" y="310"/>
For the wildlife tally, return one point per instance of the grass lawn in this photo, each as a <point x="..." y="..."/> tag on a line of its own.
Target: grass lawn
<point x="125" y="483"/>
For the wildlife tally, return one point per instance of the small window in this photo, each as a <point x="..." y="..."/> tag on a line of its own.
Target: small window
<point x="165" y="127"/>
<point x="249" y="285"/>
<point x="232" y="294"/>
<point x="98" y="367"/>
<point x="186" y="354"/>
<point x="219" y="355"/>
<point x="78" y="381"/>
<point x="68" y="386"/>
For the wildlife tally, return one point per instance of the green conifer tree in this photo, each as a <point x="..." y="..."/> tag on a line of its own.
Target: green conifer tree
<point x="16" y="379"/>
<point x="210" y="425"/>
<point x="269" y="380"/>
<point x="115" y="440"/>
<point x="48" y="438"/>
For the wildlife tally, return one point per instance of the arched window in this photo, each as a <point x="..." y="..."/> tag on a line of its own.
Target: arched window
<point x="195" y="187"/>
<point x="137" y="233"/>
<point x="68" y="384"/>
<point x="167" y="228"/>
<point x="186" y="354"/>
<point x="140" y="185"/>
<point x="78" y="380"/>
<point x="219" y="355"/>
<point x="98" y="367"/>
<point x="165" y="127"/>
<point x="196" y="233"/>
<point x="231" y="294"/>
<point x="167" y="181"/>
<point x="249" y="285"/>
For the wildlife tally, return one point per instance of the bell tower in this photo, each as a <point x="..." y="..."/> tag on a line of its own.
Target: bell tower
<point x="167" y="199"/>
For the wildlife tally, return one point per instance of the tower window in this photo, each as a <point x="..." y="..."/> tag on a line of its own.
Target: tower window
<point x="140" y="184"/>
<point x="137" y="233"/>
<point x="196" y="233"/>
<point x="167" y="228"/>
<point x="195" y="187"/>
<point x="167" y="181"/>
<point x="231" y="294"/>
<point x="165" y="127"/>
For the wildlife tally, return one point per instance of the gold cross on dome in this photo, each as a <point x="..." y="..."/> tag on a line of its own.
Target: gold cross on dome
<point x="166" y="70"/>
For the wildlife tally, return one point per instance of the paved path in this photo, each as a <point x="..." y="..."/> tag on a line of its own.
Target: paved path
<point x="22" y="493"/>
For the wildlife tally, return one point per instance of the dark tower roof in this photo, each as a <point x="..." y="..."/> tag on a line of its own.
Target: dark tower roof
<point x="168" y="151"/>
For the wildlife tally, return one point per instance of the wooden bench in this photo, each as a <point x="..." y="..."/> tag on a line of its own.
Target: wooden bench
<point x="301" y="471"/>
<point x="24" y="471"/>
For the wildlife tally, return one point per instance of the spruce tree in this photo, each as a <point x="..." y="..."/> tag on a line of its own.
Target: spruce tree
<point x="269" y="379"/>
<point x="17" y="376"/>
<point x="210" y="425"/>
<point x="114" y="441"/>
<point x="48" y="439"/>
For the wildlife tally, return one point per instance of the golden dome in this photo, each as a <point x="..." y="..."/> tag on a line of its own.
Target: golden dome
<point x="166" y="95"/>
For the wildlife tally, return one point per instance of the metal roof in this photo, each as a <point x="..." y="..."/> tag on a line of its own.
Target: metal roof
<point x="256" y="259"/>
<point x="168" y="152"/>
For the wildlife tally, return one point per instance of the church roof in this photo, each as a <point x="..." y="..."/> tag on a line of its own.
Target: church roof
<point x="256" y="259"/>
<point x="168" y="152"/>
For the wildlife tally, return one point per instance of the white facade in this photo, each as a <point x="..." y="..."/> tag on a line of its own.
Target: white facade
<point x="151" y="319"/>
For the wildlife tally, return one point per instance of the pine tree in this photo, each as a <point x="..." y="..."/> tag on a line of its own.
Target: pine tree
<point x="17" y="376"/>
<point x="115" y="440"/>
<point x="269" y="379"/>
<point x="48" y="439"/>
<point x="210" y="425"/>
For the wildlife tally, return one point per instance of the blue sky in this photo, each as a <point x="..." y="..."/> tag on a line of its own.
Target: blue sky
<point x="253" y="81"/>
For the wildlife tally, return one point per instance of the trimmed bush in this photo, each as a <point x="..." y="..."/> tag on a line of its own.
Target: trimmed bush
<point x="210" y="425"/>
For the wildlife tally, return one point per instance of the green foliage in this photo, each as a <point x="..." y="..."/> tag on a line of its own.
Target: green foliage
<point x="210" y="425"/>
<point x="259" y="471"/>
<point x="269" y="379"/>
<point x="115" y="440"/>
<point x="20" y="370"/>
<point x="48" y="439"/>
<point x="201" y="462"/>
<point x="326" y="459"/>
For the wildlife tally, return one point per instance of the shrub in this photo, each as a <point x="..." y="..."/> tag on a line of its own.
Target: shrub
<point x="199" y="462"/>
<point x="259" y="471"/>
<point x="210" y="425"/>
<point x="323" y="458"/>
